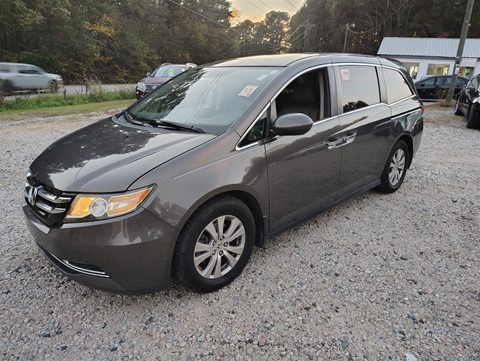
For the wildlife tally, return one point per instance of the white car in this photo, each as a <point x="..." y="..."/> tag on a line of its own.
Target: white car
<point x="17" y="76"/>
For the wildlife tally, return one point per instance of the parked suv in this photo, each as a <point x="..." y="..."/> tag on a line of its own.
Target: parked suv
<point x="468" y="103"/>
<point x="224" y="156"/>
<point x="159" y="76"/>
<point x="436" y="87"/>
<point x="18" y="76"/>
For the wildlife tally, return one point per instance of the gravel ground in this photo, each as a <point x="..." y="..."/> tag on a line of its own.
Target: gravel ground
<point x="381" y="277"/>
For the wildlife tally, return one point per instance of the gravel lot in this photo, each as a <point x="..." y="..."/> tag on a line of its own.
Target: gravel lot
<point x="381" y="277"/>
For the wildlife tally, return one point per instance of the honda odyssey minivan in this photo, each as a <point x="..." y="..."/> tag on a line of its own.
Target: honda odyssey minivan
<point x="190" y="178"/>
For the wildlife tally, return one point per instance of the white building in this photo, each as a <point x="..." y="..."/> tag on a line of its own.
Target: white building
<point x="432" y="56"/>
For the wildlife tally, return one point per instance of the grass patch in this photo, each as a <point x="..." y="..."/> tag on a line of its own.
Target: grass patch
<point x="66" y="110"/>
<point x="51" y="101"/>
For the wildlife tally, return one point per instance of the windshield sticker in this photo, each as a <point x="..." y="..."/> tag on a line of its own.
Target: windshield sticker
<point x="171" y="72"/>
<point x="261" y="77"/>
<point x="248" y="90"/>
<point x="345" y="74"/>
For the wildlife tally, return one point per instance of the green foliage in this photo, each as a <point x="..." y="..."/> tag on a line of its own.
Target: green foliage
<point x="120" y="41"/>
<point x="269" y="36"/>
<point x="115" y="41"/>
<point x="375" y="19"/>
<point x="95" y="95"/>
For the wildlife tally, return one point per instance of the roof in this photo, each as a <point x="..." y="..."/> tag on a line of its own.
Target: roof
<point x="428" y="47"/>
<point x="267" y="60"/>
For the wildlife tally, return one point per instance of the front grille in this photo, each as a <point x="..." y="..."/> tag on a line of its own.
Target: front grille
<point x="50" y="207"/>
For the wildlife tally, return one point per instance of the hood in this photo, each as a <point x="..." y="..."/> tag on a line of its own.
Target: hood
<point x="108" y="156"/>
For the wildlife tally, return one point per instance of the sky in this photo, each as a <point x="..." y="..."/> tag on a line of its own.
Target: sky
<point x="255" y="10"/>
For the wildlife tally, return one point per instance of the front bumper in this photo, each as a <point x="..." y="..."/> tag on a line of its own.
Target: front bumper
<point x="129" y="254"/>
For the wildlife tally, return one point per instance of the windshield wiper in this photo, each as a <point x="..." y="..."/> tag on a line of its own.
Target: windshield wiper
<point x="130" y="119"/>
<point x="162" y="123"/>
<point x="166" y="123"/>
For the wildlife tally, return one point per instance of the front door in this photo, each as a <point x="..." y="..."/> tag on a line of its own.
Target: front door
<point x="303" y="171"/>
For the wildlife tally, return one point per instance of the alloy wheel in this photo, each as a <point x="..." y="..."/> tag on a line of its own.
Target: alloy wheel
<point x="219" y="247"/>
<point x="397" y="167"/>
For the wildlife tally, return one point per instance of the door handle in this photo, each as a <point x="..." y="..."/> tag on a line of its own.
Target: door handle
<point x="336" y="143"/>
<point x="350" y="137"/>
<point x="340" y="142"/>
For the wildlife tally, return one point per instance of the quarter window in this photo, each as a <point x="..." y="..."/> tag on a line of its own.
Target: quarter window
<point x="358" y="87"/>
<point x="397" y="86"/>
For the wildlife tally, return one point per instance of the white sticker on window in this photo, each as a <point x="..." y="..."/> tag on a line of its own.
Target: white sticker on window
<point x="248" y="90"/>
<point x="345" y="73"/>
<point x="261" y="77"/>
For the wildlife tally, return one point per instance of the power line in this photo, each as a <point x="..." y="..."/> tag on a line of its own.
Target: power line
<point x="264" y="3"/>
<point x="253" y="4"/>
<point x="203" y="16"/>
<point x="382" y="22"/>
<point x="296" y="8"/>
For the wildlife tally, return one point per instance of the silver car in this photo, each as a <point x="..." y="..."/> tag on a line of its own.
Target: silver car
<point x="18" y="76"/>
<point x="190" y="178"/>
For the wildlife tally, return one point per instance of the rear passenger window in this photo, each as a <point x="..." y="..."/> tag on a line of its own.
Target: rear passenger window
<point x="397" y="86"/>
<point x="358" y="86"/>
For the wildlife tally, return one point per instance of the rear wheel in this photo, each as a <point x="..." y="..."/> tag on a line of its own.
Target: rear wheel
<point x="473" y="118"/>
<point x="395" y="168"/>
<point x="215" y="245"/>
<point x="7" y="87"/>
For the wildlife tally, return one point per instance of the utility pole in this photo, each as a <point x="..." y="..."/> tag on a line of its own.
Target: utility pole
<point x="347" y="29"/>
<point x="461" y="45"/>
<point x="305" y="36"/>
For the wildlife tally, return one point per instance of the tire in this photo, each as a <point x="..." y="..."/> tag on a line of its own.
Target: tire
<point x="395" y="168"/>
<point x="457" y="110"/>
<point x="7" y="87"/>
<point x="473" y="118"/>
<point x="53" y="86"/>
<point x="206" y="260"/>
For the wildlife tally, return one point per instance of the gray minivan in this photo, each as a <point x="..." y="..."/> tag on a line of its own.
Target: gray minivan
<point x="190" y="178"/>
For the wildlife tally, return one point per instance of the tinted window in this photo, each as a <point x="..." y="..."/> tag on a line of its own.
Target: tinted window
<point x="305" y="94"/>
<point x="429" y="81"/>
<point x="358" y="86"/>
<point x="474" y="83"/>
<point x="461" y="82"/>
<point x="397" y="86"/>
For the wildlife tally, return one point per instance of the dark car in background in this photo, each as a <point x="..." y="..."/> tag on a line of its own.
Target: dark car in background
<point x="436" y="87"/>
<point x="187" y="180"/>
<point x="159" y="76"/>
<point x="468" y="103"/>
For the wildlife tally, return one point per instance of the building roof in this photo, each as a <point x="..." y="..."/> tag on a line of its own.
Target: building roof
<point x="428" y="47"/>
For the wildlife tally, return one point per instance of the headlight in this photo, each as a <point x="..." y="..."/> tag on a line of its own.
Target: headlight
<point x="141" y="86"/>
<point x="95" y="206"/>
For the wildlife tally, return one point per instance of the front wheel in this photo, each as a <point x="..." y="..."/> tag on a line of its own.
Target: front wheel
<point x="53" y="86"/>
<point x="395" y="168"/>
<point x="457" y="110"/>
<point x="473" y="118"/>
<point x="215" y="245"/>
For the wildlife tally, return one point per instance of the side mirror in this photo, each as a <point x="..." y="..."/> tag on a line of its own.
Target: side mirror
<point x="292" y="124"/>
<point x="149" y="74"/>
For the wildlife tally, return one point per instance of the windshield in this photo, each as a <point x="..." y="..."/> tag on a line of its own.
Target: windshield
<point x="170" y="71"/>
<point x="211" y="99"/>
